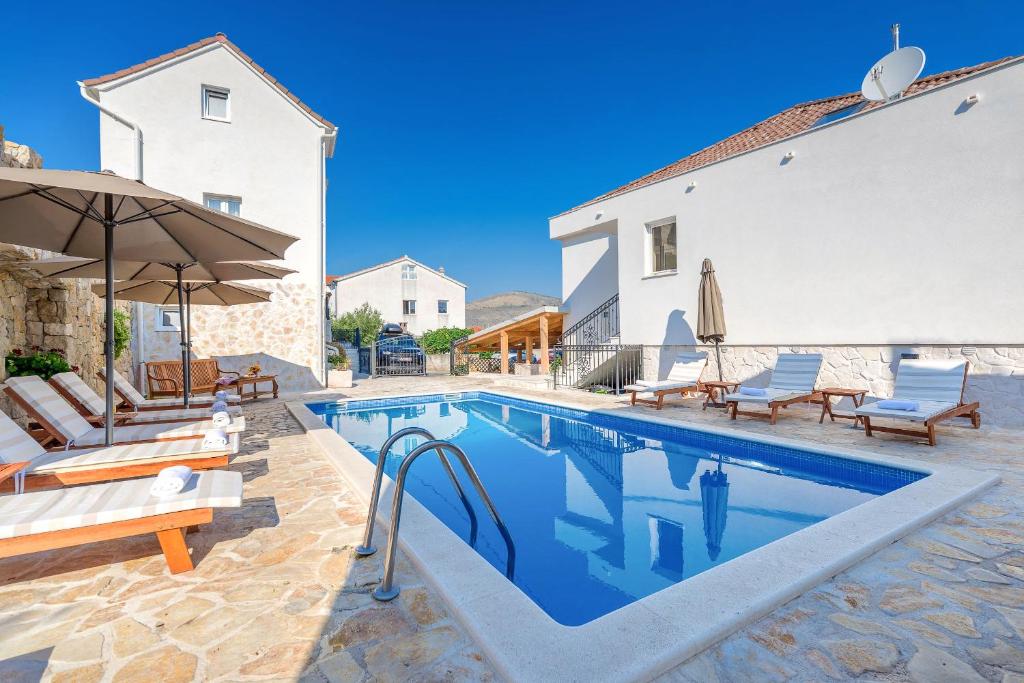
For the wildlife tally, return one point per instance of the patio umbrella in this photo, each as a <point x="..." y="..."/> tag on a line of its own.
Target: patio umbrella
<point x="710" y="316"/>
<point x="163" y="292"/>
<point x="74" y="267"/>
<point x="714" y="498"/>
<point x="102" y="215"/>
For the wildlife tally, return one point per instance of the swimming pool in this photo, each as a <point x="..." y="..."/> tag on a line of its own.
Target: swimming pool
<point x="603" y="509"/>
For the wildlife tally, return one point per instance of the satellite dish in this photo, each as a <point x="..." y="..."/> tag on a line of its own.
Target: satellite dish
<point x="892" y="74"/>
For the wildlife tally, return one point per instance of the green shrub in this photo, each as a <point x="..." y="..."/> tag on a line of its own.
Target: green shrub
<point x="440" y="340"/>
<point x="45" y="364"/>
<point x="339" y="360"/>
<point x="122" y="332"/>
<point x="366" y="319"/>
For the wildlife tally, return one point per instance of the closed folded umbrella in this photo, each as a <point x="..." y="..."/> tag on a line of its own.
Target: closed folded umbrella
<point x="714" y="498"/>
<point x="102" y="215"/>
<point x="710" y="316"/>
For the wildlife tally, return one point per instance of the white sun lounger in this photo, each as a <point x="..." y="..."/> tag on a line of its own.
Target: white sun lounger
<point x="48" y="469"/>
<point x="936" y="386"/>
<point x="130" y="395"/>
<point x="91" y="406"/>
<point x="792" y="381"/>
<point x="65" y="426"/>
<point x="44" y="520"/>
<point x="683" y="377"/>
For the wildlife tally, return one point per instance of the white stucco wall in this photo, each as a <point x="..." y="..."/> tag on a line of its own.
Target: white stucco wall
<point x="270" y="155"/>
<point x="384" y="289"/>
<point x="590" y="271"/>
<point x="896" y="226"/>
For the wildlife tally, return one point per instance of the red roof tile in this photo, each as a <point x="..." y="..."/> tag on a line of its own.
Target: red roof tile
<point x="792" y="121"/>
<point x="219" y="38"/>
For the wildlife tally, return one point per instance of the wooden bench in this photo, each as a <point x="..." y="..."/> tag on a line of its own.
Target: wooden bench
<point x="165" y="377"/>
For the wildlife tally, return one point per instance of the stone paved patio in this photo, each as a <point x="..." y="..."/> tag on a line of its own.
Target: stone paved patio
<point x="276" y="594"/>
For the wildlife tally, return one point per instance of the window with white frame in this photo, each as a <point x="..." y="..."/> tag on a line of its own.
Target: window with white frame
<point x="168" y="319"/>
<point x="408" y="271"/>
<point x="661" y="247"/>
<point x="216" y="103"/>
<point x="442" y="306"/>
<point x="232" y="205"/>
<point x="409" y="306"/>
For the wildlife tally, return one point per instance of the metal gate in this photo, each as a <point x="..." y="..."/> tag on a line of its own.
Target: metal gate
<point x="399" y="355"/>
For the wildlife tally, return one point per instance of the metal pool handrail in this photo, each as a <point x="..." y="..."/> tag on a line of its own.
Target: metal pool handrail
<point x="386" y="591"/>
<point x="367" y="547"/>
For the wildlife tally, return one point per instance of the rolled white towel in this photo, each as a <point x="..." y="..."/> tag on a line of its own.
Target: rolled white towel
<point x="170" y="481"/>
<point x="215" y="439"/>
<point x="219" y="407"/>
<point x="221" y="395"/>
<point x="753" y="391"/>
<point x="221" y="419"/>
<point x="896" y="404"/>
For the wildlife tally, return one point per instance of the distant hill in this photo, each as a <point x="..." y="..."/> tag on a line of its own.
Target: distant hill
<point x="493" y="309"/>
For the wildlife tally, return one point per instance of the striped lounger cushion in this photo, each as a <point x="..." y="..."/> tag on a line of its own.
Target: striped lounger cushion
<point x="131" y="394"/>
<point x="122" y="455"/>
<point x="82" y="506"/>
<point x="795" y="375"/>
<point x="935" y="385"/>
<point x="84" y="394"/>
<point x="686" y="371"/>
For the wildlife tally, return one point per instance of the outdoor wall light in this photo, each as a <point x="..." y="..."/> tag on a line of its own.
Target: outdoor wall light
<point x="599" y="215"/>
<point x="972" y="100"/>
<point x="789" y="156"/>
<point x="692" y="186"/>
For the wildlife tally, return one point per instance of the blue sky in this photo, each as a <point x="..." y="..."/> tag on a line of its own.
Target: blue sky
<point x="465" y="125"/>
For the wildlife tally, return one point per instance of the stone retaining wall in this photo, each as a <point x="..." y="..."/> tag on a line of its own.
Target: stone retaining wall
<point x="996" y="372"/>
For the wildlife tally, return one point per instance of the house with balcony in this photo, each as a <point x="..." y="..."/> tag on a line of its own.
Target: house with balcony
<point x="405" y="291"/>
<point x="208" y="123"/>
<point x="866" y="231"/>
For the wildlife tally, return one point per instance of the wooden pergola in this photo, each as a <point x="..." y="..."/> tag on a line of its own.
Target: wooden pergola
<point x="540" y="326"/>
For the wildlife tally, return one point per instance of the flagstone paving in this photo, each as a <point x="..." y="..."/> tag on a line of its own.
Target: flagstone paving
<point x="277" y="595"/>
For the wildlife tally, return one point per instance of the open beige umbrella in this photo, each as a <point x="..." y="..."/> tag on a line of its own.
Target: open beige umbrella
<point x="102" y="215"/>
<point x="710" y="316"/>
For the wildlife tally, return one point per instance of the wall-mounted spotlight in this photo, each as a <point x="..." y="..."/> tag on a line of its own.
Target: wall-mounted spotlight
<point x="789" y="156"/>
<point x="692" y="186"/>
<point x="972" y="100"/>
<point x="599" y="215"/>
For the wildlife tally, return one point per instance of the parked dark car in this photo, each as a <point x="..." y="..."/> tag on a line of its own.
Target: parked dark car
<point x="399" y="355"/>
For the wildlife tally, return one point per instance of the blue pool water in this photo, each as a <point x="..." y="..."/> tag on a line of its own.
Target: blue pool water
<point x="604" y="510"/>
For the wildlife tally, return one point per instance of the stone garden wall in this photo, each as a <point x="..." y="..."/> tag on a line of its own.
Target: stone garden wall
<point x="48" y="313"/>
<point x="996" y="376"/>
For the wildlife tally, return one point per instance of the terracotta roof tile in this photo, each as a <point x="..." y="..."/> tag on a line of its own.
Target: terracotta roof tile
<point x="219" y="38"/>
<point x="792" y="121"/>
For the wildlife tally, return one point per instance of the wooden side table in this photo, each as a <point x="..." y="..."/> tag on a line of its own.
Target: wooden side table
<point x="16" y="470"/>
<point x="712" y="388"/>
<point x="857" y="395"/>
<point x="249" y="380"/>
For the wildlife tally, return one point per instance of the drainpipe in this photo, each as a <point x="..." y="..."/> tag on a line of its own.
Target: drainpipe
<point x="325" y="141"/>
<point x="138" y="316"/>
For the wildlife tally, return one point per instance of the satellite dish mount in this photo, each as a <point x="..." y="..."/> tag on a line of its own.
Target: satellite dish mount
<point x="893" y="73"/>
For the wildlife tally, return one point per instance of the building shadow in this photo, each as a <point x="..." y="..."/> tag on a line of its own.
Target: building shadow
<point x="25" y="668"/>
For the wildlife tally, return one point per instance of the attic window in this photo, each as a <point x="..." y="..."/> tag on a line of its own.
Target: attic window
<point x="839" y="114"/>
<point x="216" y="103"/>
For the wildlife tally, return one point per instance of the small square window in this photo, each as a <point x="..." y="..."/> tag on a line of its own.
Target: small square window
<point x="168" y="319"/>
<point x="661" y="247"/>
<point x="442" y="306"/>
<point x="231" y="205"/>
<point x="408" y="271"/>
<point x="216" y="103"/>
<point x="409" y="307"/>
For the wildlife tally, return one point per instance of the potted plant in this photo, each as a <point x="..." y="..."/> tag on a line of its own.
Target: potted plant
<point x="339" y="374"/>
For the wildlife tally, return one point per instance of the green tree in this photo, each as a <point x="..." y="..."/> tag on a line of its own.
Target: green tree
<point x="366" y="319"/>
<point x="439" y="340"/>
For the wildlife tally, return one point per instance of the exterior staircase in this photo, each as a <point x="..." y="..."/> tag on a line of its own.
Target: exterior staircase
<point x="592" y="356"/>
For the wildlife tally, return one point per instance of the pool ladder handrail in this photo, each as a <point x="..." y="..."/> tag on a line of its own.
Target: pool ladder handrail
<point x="387" y="591"/>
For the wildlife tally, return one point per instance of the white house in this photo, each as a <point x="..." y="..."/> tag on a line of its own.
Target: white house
<point x="862" y="230"/>
<point x="405" y="292"/>
<point x="207" y="123"/>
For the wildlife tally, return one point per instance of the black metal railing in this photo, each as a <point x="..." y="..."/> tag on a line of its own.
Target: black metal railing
<point x="397" y="356"/>
<point x="608" y="367"/>
<point x="597" y="327"/>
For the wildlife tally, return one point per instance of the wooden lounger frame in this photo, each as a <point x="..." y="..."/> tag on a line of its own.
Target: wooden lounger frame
<point x="661" y="394"/>
<point x="968" y="410"/>
<point x="51" y="479"/>
<point x="127" y="402"/>
<point x="813" y="397"/>
<point x="169" y="528"/>
<point x="120" y="419"/>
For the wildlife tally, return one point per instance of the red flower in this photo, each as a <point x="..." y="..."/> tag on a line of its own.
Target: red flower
<point x="75" y="369"/>
<point x="59" y="352"/>
<point x="16" y="352"/>
<point x="37" y="348"/>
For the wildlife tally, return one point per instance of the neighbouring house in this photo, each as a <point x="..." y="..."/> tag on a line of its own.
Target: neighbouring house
<point x="417" y="297"/>
<point x="861" y="230"/>
<point x="209" y="124"/>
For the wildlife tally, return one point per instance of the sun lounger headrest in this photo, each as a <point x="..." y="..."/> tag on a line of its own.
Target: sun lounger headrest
<point x="44" y="403"/>
<point x="82" y="392"/>
<point x="930" y="380"/>
<point x="125" y="388"/>
<point x="687" y="367"/>
<point x="15" y="443"/>
<point x="796" y="371"/>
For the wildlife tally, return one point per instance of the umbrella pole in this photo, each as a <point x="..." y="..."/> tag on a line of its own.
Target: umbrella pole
<point x="718" y="356"/>
<point x="188" y="332"/>
<point x="108" y="263"/>
<point x="185" y="369"/>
